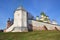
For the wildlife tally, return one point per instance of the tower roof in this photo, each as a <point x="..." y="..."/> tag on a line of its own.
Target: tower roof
<point x="20" y="8"/>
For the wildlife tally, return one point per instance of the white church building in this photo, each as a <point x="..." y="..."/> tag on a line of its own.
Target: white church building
<point x="24" y="22"/>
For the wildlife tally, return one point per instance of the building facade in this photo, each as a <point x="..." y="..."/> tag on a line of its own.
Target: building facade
<point x="24" y="22"/>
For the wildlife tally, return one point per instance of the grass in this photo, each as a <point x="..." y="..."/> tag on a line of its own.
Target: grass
<point x="36" y="35"/>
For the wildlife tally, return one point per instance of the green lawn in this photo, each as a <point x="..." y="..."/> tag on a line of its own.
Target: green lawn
<point x="37" y="35"/>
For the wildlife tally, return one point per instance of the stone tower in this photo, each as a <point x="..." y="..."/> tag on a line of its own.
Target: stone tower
<point x="20" y="21"/>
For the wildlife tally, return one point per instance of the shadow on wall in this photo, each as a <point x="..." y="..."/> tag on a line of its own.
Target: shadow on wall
<point x="56" y="29"/>
<point x="33" y="28"/>
<point x="30" y="28"/>
<point x="45" y="28"/>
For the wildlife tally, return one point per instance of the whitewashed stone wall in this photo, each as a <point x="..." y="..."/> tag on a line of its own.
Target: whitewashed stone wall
<point x="39" y="25"/>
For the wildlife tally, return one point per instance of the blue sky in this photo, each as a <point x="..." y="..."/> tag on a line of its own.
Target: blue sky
<point x="35" y="7"/>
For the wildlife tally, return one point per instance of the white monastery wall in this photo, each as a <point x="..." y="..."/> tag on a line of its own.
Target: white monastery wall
<point x="40" y="25"/>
